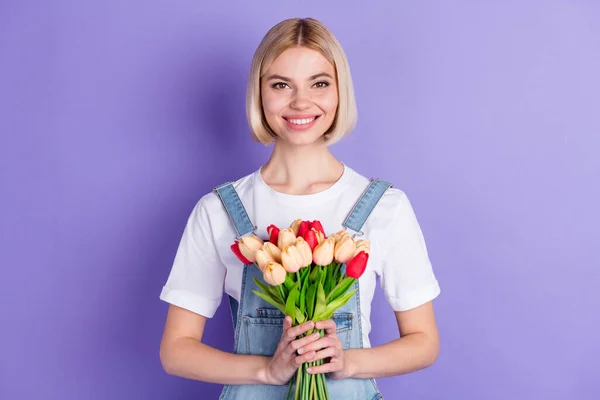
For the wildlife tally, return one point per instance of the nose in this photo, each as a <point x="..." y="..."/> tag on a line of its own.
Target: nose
<point x="300" y="100"/>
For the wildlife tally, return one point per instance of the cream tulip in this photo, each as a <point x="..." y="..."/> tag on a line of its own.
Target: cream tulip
<point x="286" y="237"/>
<point x="291" y="258"/>
<point x="323" y="253"/>
<point x="295" y="226"/>
<point x="344" y="249"/>
<point x="362" y="245"/>
<point x="263" y="257"/>
<point x="249" y="245"/>
<point x="304" y="248"/>
<point x="274" y="273"/>
<point x="273" y="250"/>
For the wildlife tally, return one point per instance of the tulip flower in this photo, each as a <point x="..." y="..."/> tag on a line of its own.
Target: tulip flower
<point x="311" y="238"/>
<point x="274" y="273"/>
<point x="295" y="226"/>
<point x="320" y="236"/>
<point x="263" y="257"/>
<point x="304" y="226"/>
<point x="291" y="258"/>
<point x="249" y="245"/>
<point x="305" y="250"/>
<point x="273" y="232"/>
<point x="286" y="237"/>
<point x="356" y="267"/>
<point x="362" y="245"/>
<point x="344" y="249"/>
<point x="340" y="235"/>
<point x="273" y="250"/>
<point x="316" y="225"/>
<point x="236" y="250"/>
<point x="323" y="253"/>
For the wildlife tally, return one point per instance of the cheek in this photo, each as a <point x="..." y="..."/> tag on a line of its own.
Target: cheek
<point x="329" y="102"/>
<point x="272" y="104"/>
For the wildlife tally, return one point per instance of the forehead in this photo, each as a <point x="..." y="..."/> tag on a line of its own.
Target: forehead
<point x="299" y="63"/>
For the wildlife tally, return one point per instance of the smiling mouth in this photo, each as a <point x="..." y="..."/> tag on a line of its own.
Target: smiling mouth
<point x="301" y="121"/>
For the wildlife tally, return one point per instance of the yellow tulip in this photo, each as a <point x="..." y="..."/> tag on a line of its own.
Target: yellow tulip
<point x="344" y="249"/>
<point x="286" y="237"/>
<point x="323" y="253"/>
<point x="274" y="273"/>
<point x="273" y="250"/>
<point x="291" y="258"/>
<point x="249" y="245"/>
<point x="295" y="226"/>
<point x="304" y="248"/>
<point x="362" y="245"/>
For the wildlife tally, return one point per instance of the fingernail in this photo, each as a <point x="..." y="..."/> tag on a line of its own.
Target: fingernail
<point x="309" y="370"/>
<point x="300" y="351"/>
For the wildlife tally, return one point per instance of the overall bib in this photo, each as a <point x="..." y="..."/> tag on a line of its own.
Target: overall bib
<point x="258" y="325"/>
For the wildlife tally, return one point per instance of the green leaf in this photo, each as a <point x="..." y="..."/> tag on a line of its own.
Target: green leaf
<point x="290" y="304"/>
<point x="269" y="300"/>
<point x="315" y="274"/>
<point x="288" y="283"/>
<point x="340" y="289"/>
<point x="321" y="304"/>
<point x="305" y="284"/>
<point x="336" y="304"/>
<point x="329" y="280"/>
<point x="310" y="300"/>
<point x="300" y="316"/>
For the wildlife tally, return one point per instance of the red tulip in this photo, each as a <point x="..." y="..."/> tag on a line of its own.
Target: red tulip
<point x="311" y="238"/>
<point x="356" y="267"/>
<point x="236" y="250"/>
<point x="317" y="226"/>
<point x="273" y="232"/>
<point x="304" y="226"/>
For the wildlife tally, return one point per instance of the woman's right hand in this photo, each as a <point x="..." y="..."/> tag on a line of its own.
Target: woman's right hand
<point x="285" y="362"/>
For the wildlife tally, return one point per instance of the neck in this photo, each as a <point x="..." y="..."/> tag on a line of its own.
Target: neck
<point x="301" y="169"/>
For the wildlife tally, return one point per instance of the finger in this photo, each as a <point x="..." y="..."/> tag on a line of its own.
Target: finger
<point x="295" y="331"/>
<point x="325" y="368"/>
<point x="328" y="352"/>
<point x="302" y="342"/>
<point x="328" y="325"/>
<point x="287" y="324"/>
<point x="299" y="360"/>
<point x="320" y="344"/>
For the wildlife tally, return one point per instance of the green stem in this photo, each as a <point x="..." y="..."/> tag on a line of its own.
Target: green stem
<point x="325" y="387"/>
<point x="305" y="381"/>
<point x="312" y="382"/>
<point x="298" y="383"/>
<point x="287" y="396"/>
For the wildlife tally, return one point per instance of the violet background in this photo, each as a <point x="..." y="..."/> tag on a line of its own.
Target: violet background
<point x="115" y="117"/>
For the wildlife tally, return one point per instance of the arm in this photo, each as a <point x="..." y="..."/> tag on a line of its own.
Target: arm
<point x="417" y="347"/>
<point x="183" y="354"/>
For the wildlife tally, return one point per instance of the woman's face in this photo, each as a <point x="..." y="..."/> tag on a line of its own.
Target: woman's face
<point x="299" y="95"/>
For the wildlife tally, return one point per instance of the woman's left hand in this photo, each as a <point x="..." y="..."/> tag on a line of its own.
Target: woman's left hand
<point x="328" y="347"/>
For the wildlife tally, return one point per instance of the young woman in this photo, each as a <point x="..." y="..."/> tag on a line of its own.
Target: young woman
<point x="300" y="98"/>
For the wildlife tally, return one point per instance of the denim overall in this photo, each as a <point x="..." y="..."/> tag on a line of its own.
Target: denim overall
<point x="258" y="325"/>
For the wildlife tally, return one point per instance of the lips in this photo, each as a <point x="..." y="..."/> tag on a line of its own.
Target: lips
<point x="300" y="122"/>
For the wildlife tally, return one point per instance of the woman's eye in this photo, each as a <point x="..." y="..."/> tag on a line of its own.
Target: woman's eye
<point x="279" y="85"/>
<point x="322" y="84"/>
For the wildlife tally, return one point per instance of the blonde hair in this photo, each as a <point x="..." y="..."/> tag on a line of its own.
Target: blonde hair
<point x="312" y="34"/>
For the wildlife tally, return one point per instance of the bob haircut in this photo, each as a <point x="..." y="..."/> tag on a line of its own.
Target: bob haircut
<point x="312" y="34"/>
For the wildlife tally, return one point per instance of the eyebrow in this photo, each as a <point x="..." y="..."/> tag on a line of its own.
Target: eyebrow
<point x="283" y="78"/>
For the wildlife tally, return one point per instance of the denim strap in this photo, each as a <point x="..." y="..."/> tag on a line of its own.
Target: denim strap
<point x="365" y="205"/>
<point x="235" y="209"/>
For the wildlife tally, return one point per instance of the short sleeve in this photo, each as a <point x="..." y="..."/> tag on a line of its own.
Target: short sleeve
<point x="197" y="276"/>
<point x="407" y="277"/>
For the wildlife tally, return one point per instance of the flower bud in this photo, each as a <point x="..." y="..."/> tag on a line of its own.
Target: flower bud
<point x="263" y="257"/>
<point x="311" y="238"/>
<point x="274" y="274"/>
<point x="291" y="258"/>
<point x="295" y="226"/>
<point x="273" y="250"/>
<point x="362" y="245"/>
<point x="305" y="250"/>
<point x="344" y="249"/>
<point x="316" y="225"/>
<point x="304" y="226"/>
<point x="320" y="236"/>
<point x="273" y="232"/>
<point x="356" y="267"/>
<point x="249" y="245"/>
<point x="235" y="248"/>
<point x="286" y="237"/>
<point x="323" y="253"/>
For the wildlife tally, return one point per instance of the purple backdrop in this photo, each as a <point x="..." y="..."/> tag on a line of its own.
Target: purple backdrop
<point x="117" y="116"/>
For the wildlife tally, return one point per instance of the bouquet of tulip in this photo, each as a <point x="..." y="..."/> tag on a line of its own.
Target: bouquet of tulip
<point x="303" y="269"/>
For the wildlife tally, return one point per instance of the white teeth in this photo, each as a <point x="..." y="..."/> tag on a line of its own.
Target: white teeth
<point x="302" y="121"/>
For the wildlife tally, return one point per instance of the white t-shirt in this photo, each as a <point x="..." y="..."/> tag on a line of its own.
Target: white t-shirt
<point x="204" y="266"/>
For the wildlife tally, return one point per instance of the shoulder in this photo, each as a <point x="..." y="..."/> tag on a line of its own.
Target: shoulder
<point x="393" y="200"/>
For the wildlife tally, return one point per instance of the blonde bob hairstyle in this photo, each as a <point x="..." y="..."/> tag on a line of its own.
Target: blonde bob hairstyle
<point x="312" y="34"/>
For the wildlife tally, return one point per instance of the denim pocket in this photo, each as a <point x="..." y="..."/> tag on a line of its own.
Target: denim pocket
<point x="263" y="331"/>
